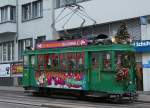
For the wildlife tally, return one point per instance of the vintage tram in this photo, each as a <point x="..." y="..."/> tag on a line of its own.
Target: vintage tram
<point x="77" y="67"/>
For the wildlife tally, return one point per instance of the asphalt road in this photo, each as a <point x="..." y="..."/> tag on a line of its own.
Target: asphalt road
<point x="13" y="99"/>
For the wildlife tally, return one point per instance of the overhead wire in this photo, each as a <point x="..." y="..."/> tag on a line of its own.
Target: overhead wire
<point x="79" y="11"/>
<point x="69" y="18"/>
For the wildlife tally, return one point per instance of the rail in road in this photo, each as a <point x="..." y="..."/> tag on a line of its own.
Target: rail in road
<point x="21" y="98"/>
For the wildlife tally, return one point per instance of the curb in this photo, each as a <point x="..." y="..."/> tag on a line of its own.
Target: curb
<point x="143" y="101"/>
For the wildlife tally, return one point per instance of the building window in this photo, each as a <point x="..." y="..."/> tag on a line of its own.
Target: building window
<point x="1" y="52"/>
<point x="37" y="9"/>
<point x="61" y="3"/>
<point x="8" y="13"/>
<point x="4" y="11"/>
<point x="26" y="11"/>
<point x="22" y="46"/>
<point x="32" y="10"/>
<point x="12" y="13"/>
<point x="6" y="51"/>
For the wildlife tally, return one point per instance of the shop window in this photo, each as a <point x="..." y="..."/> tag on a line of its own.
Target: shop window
<point x="106" y="61"/>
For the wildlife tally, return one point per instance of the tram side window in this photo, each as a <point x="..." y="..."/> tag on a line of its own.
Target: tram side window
<point x="41" y="61"/>
<point x="95" y="61"/>
<point x="48" y="62"/>
<point x="55" y="61"/>
<point x="63" y="62"/>
<point x="106" y="61"/>
<point x="122" y="60"/>
<point x="80" y="61"/>
<point x="71" y="61"/>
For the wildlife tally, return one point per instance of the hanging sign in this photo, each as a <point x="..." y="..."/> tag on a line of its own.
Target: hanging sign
<point x="4" y="70"/>
<point x="60" y="44"/>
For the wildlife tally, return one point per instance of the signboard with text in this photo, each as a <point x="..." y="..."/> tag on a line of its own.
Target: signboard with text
<point x="4" y="70"/>
<point x="142" y="46"/>
<point x="16" y="69"/>
<point x="60" y="44"/>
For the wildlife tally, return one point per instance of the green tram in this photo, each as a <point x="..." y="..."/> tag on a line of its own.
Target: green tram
<point x="76" y="67"/>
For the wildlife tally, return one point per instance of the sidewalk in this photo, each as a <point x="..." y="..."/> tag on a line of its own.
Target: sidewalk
<point x="143" y="96"/>
<point x="11" y="88"/>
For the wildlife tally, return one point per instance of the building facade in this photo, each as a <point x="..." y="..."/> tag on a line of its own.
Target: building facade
<point x="23" y="23"/>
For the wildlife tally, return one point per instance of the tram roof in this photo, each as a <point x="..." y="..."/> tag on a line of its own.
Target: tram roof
<point x="113" y="47"/>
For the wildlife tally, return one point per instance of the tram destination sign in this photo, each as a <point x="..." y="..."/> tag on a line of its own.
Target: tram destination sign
<point x="61" y="44"/>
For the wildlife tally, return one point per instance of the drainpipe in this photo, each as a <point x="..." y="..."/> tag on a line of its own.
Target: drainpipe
<point x="15" y="79"/>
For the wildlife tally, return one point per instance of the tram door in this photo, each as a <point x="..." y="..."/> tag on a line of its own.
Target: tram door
<point x="95" y="67"/>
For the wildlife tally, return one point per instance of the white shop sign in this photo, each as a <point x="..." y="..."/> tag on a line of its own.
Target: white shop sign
<point x="4" y="70"/>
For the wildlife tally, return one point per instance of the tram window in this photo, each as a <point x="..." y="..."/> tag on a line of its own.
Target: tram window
<point x="48" y="62"/>
<point x="71" y="61"/>
<point x="80" y="61"/>
<point x="41" y="61"/>
<point x="106" y="61"/>
<point x="123" y="60"/>
<point x="95" y="61"/>
<point x="55" y="61"/>
<point x="63" y="62"/>
<point x="25" y="59"/>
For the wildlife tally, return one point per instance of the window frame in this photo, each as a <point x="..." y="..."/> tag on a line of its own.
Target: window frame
<point x="8" y="13"/>
<point x="62" y="3"/>
<point x="26" y="11"/>
<point x="22" y="44"/>
<point x="7" y="47"/>
<point x="4" y="14"/>
<point x="110" y="60"/>
<point x="32" y="10"/>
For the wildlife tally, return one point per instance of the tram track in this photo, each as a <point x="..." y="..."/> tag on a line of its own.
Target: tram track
<point x="54" y="102"/>
<point x="47" y="101"/>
